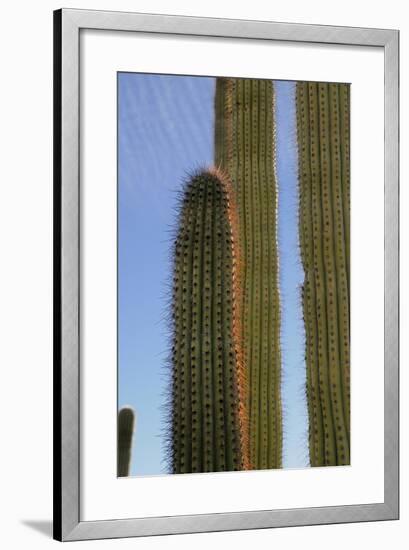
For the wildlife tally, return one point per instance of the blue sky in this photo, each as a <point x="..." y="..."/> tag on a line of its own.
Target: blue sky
<point x="165" y="129"/>
<point x="291" y="278"/>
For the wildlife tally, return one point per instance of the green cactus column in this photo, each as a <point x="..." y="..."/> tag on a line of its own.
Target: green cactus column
<point x="245" y="149"/>
<point x="208" y="415"/>
<point x="126" y="423"/>
<point x="324" y="212"/>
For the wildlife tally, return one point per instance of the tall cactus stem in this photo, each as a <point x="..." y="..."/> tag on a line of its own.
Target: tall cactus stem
<point x="245" y="150"/>
<point x="126" y="425"/>
<point x="209" y="422"/>
<point x="324" y="240"/>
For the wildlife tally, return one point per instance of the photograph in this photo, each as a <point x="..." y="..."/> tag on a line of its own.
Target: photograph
<point x="233" y="274"/>
<point x="226" y="303"/>
<point x="202" y="315"/>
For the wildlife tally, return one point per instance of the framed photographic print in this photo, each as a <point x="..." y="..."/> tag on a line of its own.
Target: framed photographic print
<point x="226" y="274"/>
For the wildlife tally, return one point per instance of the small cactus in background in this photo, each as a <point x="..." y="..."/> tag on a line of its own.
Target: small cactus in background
<point x="209" y="424"/>
<point x="324" y="212"/>
<point x="126" y="423"/>
<point x="245" y="150"/>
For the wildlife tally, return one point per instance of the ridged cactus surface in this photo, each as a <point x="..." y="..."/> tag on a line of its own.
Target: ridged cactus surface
<point x="245" y="149"/>
<point x="126" y="424"/>
<point x="208" y="395"/>
<point x="324" y="213"/>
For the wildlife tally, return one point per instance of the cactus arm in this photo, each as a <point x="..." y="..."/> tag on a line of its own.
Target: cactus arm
<point x="126" y="423"/>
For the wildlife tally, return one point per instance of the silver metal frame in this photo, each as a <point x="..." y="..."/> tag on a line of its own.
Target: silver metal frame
<point x="67" y="25"/>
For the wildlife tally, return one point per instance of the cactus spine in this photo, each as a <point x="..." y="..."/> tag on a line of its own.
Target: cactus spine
<point x="245" y="150"/>
<point x="208" y="416"/>
<point x="323" y="141"/>
<point x="126" y="423"/>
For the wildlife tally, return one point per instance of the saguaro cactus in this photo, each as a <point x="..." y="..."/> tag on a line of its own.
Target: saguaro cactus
<point x="245" y="149"/>
<point x="126" y="423"/>
<point x="324" y="180"/>
<point x="208" y="415"/>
